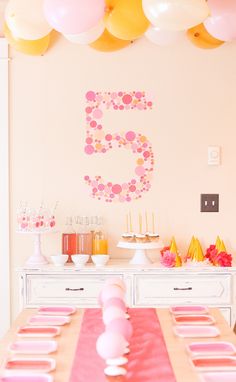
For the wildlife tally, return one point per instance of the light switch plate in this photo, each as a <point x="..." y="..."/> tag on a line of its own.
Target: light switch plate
<point x="214" y="155"/>
<point x="209" y="202"/>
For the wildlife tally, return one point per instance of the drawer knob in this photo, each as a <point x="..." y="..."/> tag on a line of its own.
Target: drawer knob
<point x="74" y="289"/>
<point x="188" y="288"/>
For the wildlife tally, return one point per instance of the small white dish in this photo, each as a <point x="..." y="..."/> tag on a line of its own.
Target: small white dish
<point x="33" y="347"/>
<point x="196" y="331"/>
<point x="59" y="260"/>
<point x="56" y="310"/>
<point x="23" y="377"/>
<point x="80" y="260"/>
<point x="211" y="348"/>
<point x="27" y="365"/>
<point x="214" y="363"/>
<point x="100" y="260"/>
<point x="38" y="331"/>
<point x="49" y="320"/>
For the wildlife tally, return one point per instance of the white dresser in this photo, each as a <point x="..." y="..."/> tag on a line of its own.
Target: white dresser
<point x="147" y="286"/>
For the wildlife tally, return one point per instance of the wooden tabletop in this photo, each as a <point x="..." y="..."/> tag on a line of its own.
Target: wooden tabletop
<point x="67" y="341"/>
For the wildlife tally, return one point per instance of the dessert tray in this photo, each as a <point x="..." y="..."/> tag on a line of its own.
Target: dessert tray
<point x="33" y="347"/>
<point x="38" y="331"/>
<point x="222" y="376"/>
<point x="189" y="309"/>
<point x="211" y="348"/>
<point x="196" y="331"/>
<point x="57" y="310"/>
<point x="17" y="365"/>
<point x="190" y="319"/>
<point x="49" y="320"/>
<point x="27" y="378"/>
<point x="215" y="363"/>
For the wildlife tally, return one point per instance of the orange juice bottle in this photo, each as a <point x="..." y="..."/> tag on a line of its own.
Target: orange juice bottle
<point x="100" y="246"/>
<point x="69" y="240"/>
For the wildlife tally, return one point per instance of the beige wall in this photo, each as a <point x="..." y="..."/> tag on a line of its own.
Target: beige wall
<point x="194" y="107"/>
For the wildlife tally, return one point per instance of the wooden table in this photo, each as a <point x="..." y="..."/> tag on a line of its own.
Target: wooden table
<point x="68" y="339"/>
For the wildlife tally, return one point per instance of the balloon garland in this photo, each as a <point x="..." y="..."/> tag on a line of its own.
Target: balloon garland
<point x="109" y="25"/>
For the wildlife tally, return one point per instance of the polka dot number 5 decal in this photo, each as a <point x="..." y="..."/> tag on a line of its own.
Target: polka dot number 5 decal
<point x="100" y="142"/>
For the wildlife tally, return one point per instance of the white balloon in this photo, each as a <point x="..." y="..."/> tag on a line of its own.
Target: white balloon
<point x="26" y="20"/>
<point x="87" y="37"/>
<point x="175" y="14"/>
<point x="163" y="37"/>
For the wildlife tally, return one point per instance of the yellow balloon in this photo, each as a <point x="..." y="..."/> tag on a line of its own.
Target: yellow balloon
<point x="199" y="36"/>
<point x="126" y="19"/>
<point x="32" y="47"/>
<point x="108" y="43"/>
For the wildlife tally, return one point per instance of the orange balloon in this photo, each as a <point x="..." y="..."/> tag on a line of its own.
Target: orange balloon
<point x="125" y="19"/>
<point x="108" y="43"/>
<point x="199" y="36"/>
<point x="32" y="47"/>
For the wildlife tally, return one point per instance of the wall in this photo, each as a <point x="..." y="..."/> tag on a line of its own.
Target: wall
<point x="194" y="107"/>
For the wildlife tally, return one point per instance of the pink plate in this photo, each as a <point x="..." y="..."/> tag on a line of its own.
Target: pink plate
<point x="49" y="320"/>
<point x="223" y="376"/>
<point x="190" y="319"/>
<point x="215" y="363"/>
<point x="196" y="331"/>
<point x="39" y="365"/>
<point x="38" y="331"/>
<point x="57" y="310"/>
<point x="33" y="347"/>
<point x="211" y="348"/>
<point x="27" y="378"/>
<point x="189" y="309"/>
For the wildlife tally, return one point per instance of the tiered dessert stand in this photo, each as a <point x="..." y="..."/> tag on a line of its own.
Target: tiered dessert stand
<point x="140" y="255"/>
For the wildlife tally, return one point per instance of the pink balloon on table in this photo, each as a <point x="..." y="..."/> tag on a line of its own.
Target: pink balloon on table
<point x="115" y="301"/>
<point x="73" y="16"/>
<point x="110" y="291"/>
<point x="116" y="281"/>
<point x="122" y="326"/>
<point x="110" y="345"/>
<point x="221" y="23"/>
<point x="112" y="313"/>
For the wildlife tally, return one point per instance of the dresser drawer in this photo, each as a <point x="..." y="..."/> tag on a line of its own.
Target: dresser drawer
<point x="81" y="290"/>
<point x="159" y="289"/>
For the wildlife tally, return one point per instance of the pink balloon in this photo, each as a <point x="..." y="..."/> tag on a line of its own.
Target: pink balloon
<point x="73" y="16"/>
<point x="112" y="313"/>
<point x="115" y="301"/>
<point x="221" y="23"/>
<point x="110" y="345"/>
<point x="116" y="281"/>
<point x="110" y="291"/>
<point x="122" y="326"/>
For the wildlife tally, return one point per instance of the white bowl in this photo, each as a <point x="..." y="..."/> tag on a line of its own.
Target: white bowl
<point x="100" y="260"/>
<point x="59" y="260"/>
<point x="80" y="260"/>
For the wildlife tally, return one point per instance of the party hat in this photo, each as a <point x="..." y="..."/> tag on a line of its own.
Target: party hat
<point x="222" y="247"/>
<point x="191" y="247"/>
<point x="174" y="249"/>
<point x="218" y="243"/>
<point x="198" y="253"/>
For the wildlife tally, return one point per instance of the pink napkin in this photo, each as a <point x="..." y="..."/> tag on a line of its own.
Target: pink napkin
<point x="148" y="358"/>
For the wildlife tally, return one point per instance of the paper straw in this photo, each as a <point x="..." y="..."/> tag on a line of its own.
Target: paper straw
<point x="146" y="219"/>
<point x="140" y="223"/>
<point x="153" y="223"/>
<point x="130" y="222"/>
<point x="127" y="223"/>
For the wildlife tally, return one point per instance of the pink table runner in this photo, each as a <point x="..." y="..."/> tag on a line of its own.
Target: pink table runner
<point x="148" y="358"/>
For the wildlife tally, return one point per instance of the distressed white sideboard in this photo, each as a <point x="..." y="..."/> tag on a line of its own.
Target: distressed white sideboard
<point x="147" y="286"/>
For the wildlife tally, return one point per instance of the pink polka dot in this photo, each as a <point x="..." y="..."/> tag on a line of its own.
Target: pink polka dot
<point x="146" y="154"/>
<point x="93" y="123"/>
<point x="99" y="97"/>
<point x="99" y="127"/>
<point x="108" y="137"/>
<point x="130" y="136"/>
<point x="121" y="199"/>
<point x="140" y="170"/>
<point x="125" y="186"/>
<point x="89" y="149"/>
<point x="134" y="146"/>
<point x="86" y="177"/>
<point x="94" y="190"/>
<point x="88" y="119"/>
<point x="149" y="104"/>
<point x="120" y="94"/>
<point x="127" y="99"/>
<point x="133" y="181"/>
<point x="139" y="150"/>
<point x="132" y="188"/>
<point x="109" y="184"/>
<point x="90" y="95"/>
<point x="138" y="95"/>
<point x="115" y="107"/>
<point x="97" y="113"/>
<point x="101" y="187"/>
<point x="94" y="183"/>
<point x="89" y="141"/>
<point x="121" y="107"/>
<point x="128" y="199"/>
<point x="140" y="106"/>
<point x="113" y="95"/>
<point x="112" y="195"/>
<point x="88" y="110"/>
<point x="104" y="150"/>
<point x="116" y="189"/>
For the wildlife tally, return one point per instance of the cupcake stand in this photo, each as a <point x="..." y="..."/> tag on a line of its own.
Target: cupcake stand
<point x="140" y="251"/>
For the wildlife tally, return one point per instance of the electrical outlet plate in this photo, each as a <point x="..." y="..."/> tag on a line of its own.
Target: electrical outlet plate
<point x="209" y="202"/>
